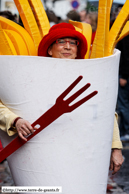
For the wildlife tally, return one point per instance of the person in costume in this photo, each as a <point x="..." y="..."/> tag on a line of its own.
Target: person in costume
<point x="62" y="41"/>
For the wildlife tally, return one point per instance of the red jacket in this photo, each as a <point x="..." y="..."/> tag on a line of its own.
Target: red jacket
<point x="93" y="36"/>
<point x="1" y="147"/>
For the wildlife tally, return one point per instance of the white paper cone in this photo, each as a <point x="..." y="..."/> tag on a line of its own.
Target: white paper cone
<point x="74" y="151"/>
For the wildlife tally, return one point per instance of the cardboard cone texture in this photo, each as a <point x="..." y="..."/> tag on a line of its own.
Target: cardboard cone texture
<point x="74" y="150"/>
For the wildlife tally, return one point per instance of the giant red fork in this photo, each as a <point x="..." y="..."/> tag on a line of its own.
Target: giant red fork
<point x="60" y="107"/>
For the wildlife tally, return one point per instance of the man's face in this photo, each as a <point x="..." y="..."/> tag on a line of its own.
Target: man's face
<point x="65" y="48"/>
<point x="82" y="15"/>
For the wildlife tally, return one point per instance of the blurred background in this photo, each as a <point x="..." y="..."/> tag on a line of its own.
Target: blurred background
<point x="60" y="7"/>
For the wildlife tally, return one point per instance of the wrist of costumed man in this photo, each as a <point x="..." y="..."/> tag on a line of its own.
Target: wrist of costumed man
<point x="14" y="123"/>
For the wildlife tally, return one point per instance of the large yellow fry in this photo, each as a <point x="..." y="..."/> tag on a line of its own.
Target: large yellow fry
<point x="109" y="5"/>
<point x="6" y="48"/>
<point x="18" y="42"/>
<point x="40" y="16"/>
<point x="117" y="26"/>
<point x="10" y="44"/>
<point x="28" y="20"/>
<point x="86" y="31"/>
<point x="78" y="29"/>
<point x="10" y="25"/>
<point x="99" y="50"/>
<point x="124" y="32"/>
<point x="106" y="31"/>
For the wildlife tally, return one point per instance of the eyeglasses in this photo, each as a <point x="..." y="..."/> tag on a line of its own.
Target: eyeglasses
<point x="63" y="42"/>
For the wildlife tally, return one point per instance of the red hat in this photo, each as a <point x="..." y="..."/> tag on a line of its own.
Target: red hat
<point x="62" y="30"/>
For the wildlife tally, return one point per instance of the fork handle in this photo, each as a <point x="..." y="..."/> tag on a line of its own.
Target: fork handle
<point x="47" y="118"/>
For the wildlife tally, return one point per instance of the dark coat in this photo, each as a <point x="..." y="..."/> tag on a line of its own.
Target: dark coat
<point x="123" y="46"/>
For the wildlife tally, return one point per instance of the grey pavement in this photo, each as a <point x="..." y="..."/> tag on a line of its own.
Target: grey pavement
<point x="6" y="180"/>
<point x="5" y="175"/>
<point x="121" y="179"/>
<point x="113" y="188"/>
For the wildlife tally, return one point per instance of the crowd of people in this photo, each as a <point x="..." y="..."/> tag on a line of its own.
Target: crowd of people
<point x="71" y="46"/>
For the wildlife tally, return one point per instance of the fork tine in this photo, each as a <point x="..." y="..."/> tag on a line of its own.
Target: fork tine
<point x="80" y="102"/>
<point x="69" y="88"/>
<point x="74" y="96"/>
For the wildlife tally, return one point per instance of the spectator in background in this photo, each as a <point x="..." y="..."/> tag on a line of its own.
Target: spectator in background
<point x="13" y="17"/>
<point x="9" y="15"/>
<point x="82" y="15"/>
<point x="123" y="92"/>
<point x="118" y="9"/>
<point x="64" y="20"/>
<point x="73" y="15"/>
<point x="53" y="19"/>
<point x="91" y="18"/>
<point x="115" y="13"/>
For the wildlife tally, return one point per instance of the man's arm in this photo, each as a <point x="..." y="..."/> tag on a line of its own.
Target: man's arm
<point x="116" y="154"/>
<point x="8" y="119"/>
<point x="116" y="142"/>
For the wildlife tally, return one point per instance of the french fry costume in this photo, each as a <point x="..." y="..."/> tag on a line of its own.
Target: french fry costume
<point x="73" y="152"/>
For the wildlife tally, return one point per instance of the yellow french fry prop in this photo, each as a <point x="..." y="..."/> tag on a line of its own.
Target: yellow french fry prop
<point x="40" y="16"/>
<point x="78" y="29"/>
<point x="98" y="45"/>
<point x="10" y="44"/>
<point x="99" y="48"/>
<point x="10" y="25"/>
<point x="18" y="42"/>
<point x="28" y="20"/>
<point x="108" y="10"/>
<point x="6" y="46"/>
<point x="86" y="30"/>
<point x="118" y="26"/>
